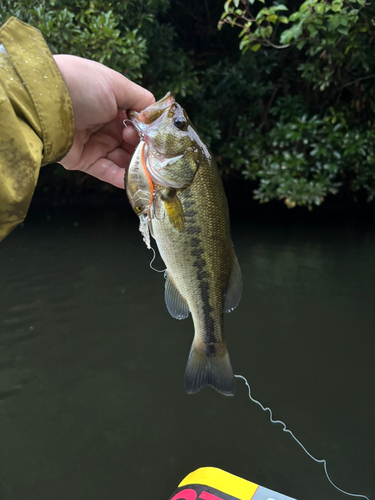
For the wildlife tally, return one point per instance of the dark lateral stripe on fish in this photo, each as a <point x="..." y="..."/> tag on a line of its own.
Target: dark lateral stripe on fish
<point x="202" y="275"/>
<point x="190" y="213"/>
<point x="209" y="324"/>
<point x="193" y="230"/>
<point x="201" y="265"/>
<point x="196" y="242"/>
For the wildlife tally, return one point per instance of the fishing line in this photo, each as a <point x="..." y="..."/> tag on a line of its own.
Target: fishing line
<point x="153" y="258"/>
<point x="322" y="461"/>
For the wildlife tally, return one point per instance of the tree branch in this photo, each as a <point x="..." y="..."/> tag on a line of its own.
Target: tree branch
<point x="357" y="81"/>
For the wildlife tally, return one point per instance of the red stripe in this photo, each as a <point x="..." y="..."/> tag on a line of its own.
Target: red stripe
<point x="146" y="171"/>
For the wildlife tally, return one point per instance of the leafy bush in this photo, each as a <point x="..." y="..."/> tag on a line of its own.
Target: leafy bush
<point x="318" y="136"/>
<point x="294" y="114"/>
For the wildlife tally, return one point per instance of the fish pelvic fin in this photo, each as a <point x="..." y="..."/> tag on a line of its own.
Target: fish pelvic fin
<point x="176" y="304"/>
<point x="209" y="369"/>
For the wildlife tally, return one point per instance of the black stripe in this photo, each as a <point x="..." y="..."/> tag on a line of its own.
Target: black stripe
<point x="193" y="230"/>
<point x="203" y="276"/>
<point x="190" y="213"/>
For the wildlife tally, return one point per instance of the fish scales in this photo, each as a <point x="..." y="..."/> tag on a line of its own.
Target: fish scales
<point x="191" y="256"/>
<point x="192" y="231"/>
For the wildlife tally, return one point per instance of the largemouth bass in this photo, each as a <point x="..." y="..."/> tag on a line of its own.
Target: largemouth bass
<point x="189" y="220"/>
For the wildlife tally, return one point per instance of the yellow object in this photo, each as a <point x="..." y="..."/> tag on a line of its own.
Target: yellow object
<point x="209" y="483"/>
<point x="36" y="117"/>
<point x="222" y="481"/>
<point x="173" y="208"/>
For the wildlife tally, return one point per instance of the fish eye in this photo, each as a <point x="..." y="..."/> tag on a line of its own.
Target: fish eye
<point x="138" y="209"/>
<point x="179" y="123"/>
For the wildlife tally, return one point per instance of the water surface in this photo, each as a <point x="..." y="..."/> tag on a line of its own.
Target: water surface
<point x="92" y="404"/>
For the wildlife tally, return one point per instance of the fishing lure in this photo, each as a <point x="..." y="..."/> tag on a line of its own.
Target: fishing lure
<point x="140" y="191"/>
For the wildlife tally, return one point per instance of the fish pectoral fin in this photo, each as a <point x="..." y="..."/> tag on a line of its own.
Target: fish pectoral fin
<point x="176" y="304"/>
<point x="233" y="294"/>
<point x="174" y="209"/>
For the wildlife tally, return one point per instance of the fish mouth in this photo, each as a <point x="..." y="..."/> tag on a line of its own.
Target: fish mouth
<point x="152" y="112"/>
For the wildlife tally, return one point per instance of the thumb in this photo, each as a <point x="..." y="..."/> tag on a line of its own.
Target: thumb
<point x="129" y="95"/>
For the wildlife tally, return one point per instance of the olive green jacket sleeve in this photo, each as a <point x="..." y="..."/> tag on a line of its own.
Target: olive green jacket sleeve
<point x="36" y="117"/>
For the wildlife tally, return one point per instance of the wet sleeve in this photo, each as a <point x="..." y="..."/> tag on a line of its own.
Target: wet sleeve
<point x="36" y="117"/>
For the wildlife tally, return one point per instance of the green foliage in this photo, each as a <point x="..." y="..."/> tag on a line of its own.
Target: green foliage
<point x="318" y="138"/>
<point x="123" y="35"/>
<point x="264" y="25"/>
<point x="91" y="29"/>
<point x="169" y="67"/>
<point x="294" y="114"/>
<point x="305" y="158"/>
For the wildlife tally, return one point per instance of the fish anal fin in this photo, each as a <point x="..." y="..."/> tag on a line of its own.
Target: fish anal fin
<point x="233" y="294"/>
<point x="176" y="304"/>
<point x="213" y="370"/>
<point x="173" y="208"/>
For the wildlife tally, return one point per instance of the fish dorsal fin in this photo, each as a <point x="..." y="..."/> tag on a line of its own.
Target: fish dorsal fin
<point x="233" y="295"/>
<point x="174" y="209"/>
<point x="176" y="304"/>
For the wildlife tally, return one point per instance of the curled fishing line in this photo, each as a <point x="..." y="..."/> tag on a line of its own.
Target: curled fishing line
<point x="322" y="461"/>
<point x="153" y="258"/>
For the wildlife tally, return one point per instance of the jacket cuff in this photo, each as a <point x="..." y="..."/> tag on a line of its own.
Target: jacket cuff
<point x="36" y="68"/>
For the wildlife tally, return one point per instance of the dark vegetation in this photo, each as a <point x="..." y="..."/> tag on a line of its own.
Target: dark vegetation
<point x="283" y="93"/>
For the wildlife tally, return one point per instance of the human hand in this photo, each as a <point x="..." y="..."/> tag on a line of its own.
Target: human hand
<point x="102" y="146"/>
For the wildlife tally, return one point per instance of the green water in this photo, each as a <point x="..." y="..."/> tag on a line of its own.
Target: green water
<point x="92" y="404"/>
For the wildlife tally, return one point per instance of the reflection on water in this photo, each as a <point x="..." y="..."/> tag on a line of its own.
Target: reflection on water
<point x="92" y="404"/>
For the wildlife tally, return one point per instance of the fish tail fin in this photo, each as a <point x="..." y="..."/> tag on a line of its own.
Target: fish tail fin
<point x="209" y="369"/>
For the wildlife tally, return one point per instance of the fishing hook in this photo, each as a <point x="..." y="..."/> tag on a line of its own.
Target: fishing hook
<point x="139" y="132"/>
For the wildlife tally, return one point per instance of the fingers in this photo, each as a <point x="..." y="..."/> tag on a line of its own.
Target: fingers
<point x="108" y="171"/>
<point x="97" y="92"/>
<point x="103" y="153"/>
<point x="120" y="157"/>
<point x="109" y="167"/>
<point x="112" y="168"/>
<point x="130" y="135"/>
<point x="88" y="148"/>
